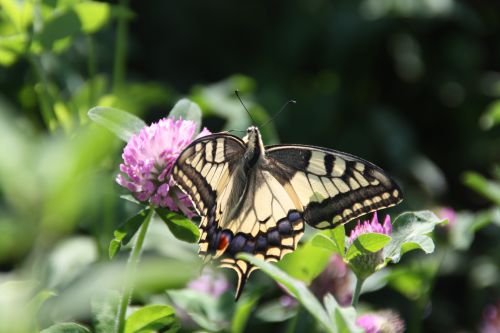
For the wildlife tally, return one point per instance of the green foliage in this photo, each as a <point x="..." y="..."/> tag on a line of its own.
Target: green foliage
<point x="180" y="226"/>
<point x="152" y="318"/>
<point x="409" y="232"/>
<point x="333" y="240"/>
<point x="123" y="124"/>
<point x="187" y="110"/>
<point x="246" y="305"/>
<point x="306" y="262"/>
<point x="365" y="244"/>
<point x="66" y="328"/>
<point x="104" y="308"/>
<point x="332" y="317"/>
<point x="208" y="312"/>
<point x="488" y="189"/>
<point x="126" y="231"/>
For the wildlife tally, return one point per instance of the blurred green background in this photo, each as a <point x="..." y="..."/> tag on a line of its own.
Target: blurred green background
<point x="411" y="85"/>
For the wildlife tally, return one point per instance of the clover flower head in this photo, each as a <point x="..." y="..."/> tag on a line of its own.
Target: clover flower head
<point x="148" y="159"/>
<point x="210" y="283"/>
<point x="373" y="226"/>
<point x="366" y="264"/>
<point x="491" y="319"/>
<point x="450" y="214"/>
<point x="381" y="322"/>
<point x="335" y="279"/>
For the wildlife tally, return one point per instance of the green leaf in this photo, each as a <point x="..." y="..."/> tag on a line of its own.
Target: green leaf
<point x="187" y="110"/>
<point x="66" y="328"/>
<point x="321" y="240"/>
<point x="180" y="226"/>
<point x="104" y="308"/>
<point x="93" y="15"/>
<point x="367" y="243"/>
<point x="491" y="117"/>
<point x="414" y="280"/>
<point x="209" y="312"/>
<point x="11" y="47"/>
<point x="62" y="24"/>
<point x="126" y="231"/>
<point x="153" y="318"/>
<point x="306" y="262"/>
<point x="332" y="240"/>
<point x="275" y="312"/>
<point x="487" y="188"/>
<point x="344" y="318"/>
<point x="243" y="310"/>
<point x="409" y="231"/>
<point x="122" y="123"/>
<point x="296" y="288"/>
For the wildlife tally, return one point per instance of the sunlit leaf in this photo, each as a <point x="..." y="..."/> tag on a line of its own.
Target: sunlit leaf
<point x="93" y="15"/>
<point x="104" y="308"/>
<point x="122" y="123"/>
<point x="367" y="243"/>
<point x="492" y="116"/>
<point x="297" y="288"/>
<point x="409" y="231"/>
<point x="306" y="262"/>
<point x="11" y="47"/>
<point x="332" y="240"/>
<point x="66" y="328"/>
<point x="187" y="110"/>
<point x="180" y="226"/>
<point x="152" y="317"/>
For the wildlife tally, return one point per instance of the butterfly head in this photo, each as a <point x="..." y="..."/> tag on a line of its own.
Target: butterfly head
<point x="255" y="147"/>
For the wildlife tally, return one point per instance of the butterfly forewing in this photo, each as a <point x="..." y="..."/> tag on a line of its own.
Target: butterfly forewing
<point x="204" y="171"/>
<point x="332" y="186"/>
<point x="205" y="167"/>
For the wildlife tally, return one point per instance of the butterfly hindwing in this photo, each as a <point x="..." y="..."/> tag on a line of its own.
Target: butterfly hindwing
<point x="332" y="186"/>
<point x="265" y="223"/>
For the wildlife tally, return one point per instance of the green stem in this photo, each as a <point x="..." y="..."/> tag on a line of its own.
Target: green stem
<point x="42" y="86"/>
<point x="120" y="49"/>
<point x="130" y="271"/>
<point x="91" y="69"/>
<point x="357" y="291"/>
<point x="42" y="91"/>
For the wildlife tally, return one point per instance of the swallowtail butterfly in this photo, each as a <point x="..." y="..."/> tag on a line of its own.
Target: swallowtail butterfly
<point x="256" y="199"/>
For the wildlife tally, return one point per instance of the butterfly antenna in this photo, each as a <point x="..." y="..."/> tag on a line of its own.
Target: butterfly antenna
<point x="235" y="130"/>
<point x="237" y="93"/>
<point x="277" y="113"/>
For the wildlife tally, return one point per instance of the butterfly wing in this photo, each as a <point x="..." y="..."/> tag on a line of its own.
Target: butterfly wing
<point x="333" y="187"/>
<point x="205" y="170"/>
<point x="268" y="224"/>
<point x="241" y="211"/>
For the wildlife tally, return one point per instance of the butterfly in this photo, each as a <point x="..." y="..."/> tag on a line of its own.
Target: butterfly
<point x="257" y="199"/>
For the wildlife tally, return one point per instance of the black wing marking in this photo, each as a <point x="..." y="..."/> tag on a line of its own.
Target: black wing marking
<point x="333" y="187"/>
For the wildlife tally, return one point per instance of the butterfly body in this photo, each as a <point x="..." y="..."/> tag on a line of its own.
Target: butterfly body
<point x="255" y="199"/>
